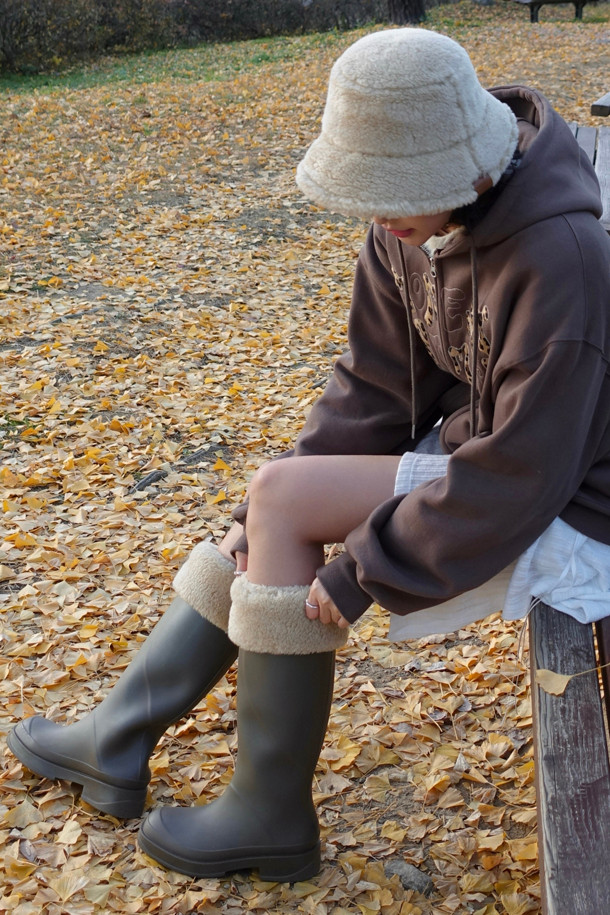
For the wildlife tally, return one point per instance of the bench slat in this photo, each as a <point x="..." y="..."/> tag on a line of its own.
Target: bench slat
<point x="586" y="137"/>
<point x="572" y="770"/>
<point x="602" y="167"/>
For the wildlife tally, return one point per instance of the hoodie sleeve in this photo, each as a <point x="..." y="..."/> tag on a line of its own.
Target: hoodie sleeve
<point x="367" y="407"/>
<point x="500" y="492"/>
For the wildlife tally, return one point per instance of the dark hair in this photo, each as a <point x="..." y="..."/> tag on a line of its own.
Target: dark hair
<point x="471" y="214"/>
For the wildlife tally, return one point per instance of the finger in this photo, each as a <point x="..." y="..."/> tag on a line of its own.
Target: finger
<point x="319" y="605"/>
<point x="312" y="608"/>
<point x="335" y="614"/>
<point x="326" y="615"/>
<point x="312" y="604"/>
<point x="242" y="562"/>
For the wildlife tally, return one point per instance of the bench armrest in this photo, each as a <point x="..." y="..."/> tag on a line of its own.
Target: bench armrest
<point x="601" y="107"/>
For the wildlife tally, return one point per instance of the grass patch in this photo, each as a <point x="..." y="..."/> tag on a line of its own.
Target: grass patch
<point x="11" y="422"/>
<point x="224" y="61"/>
<point x="203" y="63"/>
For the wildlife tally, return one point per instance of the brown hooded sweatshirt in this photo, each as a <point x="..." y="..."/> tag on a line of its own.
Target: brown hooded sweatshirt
<point x="529" y="434"/>
<point x="540" y="396"/>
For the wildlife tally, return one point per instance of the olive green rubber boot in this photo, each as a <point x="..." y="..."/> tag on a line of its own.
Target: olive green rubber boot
<point x="184" y="656"/>
<point x="266" y="818"/>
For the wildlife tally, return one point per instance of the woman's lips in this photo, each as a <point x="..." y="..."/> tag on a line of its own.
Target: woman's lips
<point x="401" y="233"/>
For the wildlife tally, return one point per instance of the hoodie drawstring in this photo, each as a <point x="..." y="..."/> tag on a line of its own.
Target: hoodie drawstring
<point x="474" y="356"/>
<point x="414" y="405"/>
<point x="474" y="416"/>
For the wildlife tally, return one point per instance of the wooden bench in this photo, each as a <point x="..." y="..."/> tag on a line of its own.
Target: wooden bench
<point x="572" y="765"/>
<point x="595" y="141"/>
<point x="571" y="738"/>
<point x="535" y="5"/>
<point x="601" y="107"/>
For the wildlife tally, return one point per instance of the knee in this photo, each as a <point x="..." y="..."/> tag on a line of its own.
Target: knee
<point x="269" y="489"/>
<point x="279" y="494"/>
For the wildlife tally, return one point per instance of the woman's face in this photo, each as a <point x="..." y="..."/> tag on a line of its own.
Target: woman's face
<point x="414" y="230"/>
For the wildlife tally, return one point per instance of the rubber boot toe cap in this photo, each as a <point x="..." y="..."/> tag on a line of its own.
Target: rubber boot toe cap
<point x="54" y="751"/>
<point x="210" y="842"/>
<point x="33" y="740"/>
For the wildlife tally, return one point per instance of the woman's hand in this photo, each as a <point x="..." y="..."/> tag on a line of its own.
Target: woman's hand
<point x="319" y="605"/>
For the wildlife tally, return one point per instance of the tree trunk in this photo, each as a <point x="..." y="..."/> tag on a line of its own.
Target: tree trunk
<point x="403" y="12"/>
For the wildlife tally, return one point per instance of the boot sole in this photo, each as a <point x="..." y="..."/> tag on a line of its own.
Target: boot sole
<point x="272" y="868"/>
<point x="122" y="803"/>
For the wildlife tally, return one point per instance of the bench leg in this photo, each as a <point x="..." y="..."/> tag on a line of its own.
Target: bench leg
<point x="579" y="8"/>
<point x="534" y="10"/>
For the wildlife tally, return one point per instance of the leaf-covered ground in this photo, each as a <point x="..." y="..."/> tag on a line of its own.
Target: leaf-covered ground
<point x="169" y="308"/>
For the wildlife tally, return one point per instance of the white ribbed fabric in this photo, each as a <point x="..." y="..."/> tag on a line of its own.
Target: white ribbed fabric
<point x="562" y="568"/>
<point x="416" y="468"/>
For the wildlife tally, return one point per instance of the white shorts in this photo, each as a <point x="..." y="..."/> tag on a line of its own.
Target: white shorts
<point x="563" y="568"/>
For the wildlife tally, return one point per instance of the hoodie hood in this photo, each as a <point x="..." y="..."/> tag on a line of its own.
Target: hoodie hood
<point x="550" y="177"/>
<point x="551" y="159"/>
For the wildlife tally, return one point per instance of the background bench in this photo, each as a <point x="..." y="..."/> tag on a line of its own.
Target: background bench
<point x="571" y="730"/>
<point x="601" y="107"/>
<point x="535" y="5"/>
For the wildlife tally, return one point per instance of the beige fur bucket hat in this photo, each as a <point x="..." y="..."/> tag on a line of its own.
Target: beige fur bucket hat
<point x="407" y="129"/>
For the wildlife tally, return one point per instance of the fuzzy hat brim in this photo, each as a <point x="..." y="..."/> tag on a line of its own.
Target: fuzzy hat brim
<point x="407" y="129"/>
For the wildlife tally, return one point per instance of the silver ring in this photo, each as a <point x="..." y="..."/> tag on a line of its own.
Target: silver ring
<point x="239" y="573"/>
<point x="312" y="606"/>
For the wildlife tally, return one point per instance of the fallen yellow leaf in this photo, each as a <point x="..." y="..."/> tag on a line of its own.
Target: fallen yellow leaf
<point x="6" y="573"/>
<point x="551" y="682"/>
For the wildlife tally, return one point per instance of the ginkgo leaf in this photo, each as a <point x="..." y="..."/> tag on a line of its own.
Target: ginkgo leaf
<point x="71" y="833"/>
<point x="552" y="682"/>
<point x="174" y="309"/>
<point x="6" y="573"/>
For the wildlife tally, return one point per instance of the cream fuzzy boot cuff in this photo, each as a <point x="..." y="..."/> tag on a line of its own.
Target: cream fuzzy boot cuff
<point x="271" y="620"/>
<point x="204" y="582"/>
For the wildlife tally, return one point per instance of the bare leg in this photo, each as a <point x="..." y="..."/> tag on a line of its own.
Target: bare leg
<point x="266" y="817"/>
<point x="299" y="504"/>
